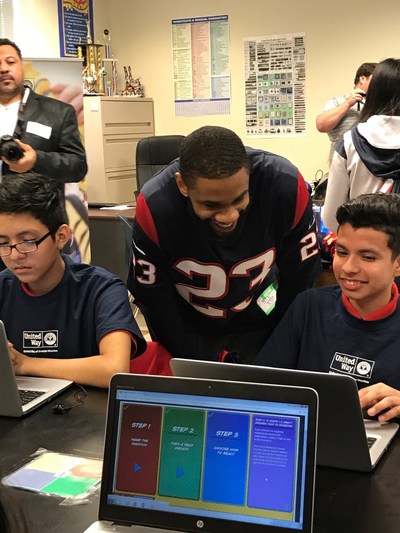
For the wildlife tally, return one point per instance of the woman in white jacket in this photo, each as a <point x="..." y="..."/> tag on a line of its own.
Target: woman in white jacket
<point x="367" y="159"/>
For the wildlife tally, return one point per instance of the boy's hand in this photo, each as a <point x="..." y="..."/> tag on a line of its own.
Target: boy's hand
<point x="18" y="359"/>
<point x="380" y="400"/>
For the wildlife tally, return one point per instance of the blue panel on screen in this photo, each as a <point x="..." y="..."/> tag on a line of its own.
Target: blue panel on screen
<point x="272" y="463"/>
<point x="226" y="458"/>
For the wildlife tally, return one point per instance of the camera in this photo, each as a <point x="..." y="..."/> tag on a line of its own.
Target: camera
<point x="10" y="149"/>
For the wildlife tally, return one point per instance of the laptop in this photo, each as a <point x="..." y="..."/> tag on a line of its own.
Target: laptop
<point x="201" y="455"/>
<point x="345" y="439"/>
<point x="19" y="395"/>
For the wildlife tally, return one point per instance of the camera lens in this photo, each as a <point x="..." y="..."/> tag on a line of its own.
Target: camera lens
<point x="14" y="153"/>
<point x="10" y="149"/>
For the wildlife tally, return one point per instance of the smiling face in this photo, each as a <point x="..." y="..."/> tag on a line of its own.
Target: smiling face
<point x="219" y="201"/>
<point x="11" y="74"/>
<point x="364" y="267"/>
<point x="43" y="269"/>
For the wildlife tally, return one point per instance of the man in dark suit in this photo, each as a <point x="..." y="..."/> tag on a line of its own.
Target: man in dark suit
<point x="45" y="128"/>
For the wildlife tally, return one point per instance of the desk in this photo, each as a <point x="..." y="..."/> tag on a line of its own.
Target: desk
<point x="345" y="501"/>
<point x="80" y="431"/>
<point x="107" y="241"/>
<point x="360" y="503"/>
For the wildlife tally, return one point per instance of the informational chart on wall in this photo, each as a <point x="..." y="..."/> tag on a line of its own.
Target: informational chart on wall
<point x="275" y="76"/>
<point x="75" y="19"/>
<point x="201" y="64"/>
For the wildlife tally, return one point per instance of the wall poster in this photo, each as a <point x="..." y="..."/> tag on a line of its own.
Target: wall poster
<point x="201" y="64"/>
<point x="275" y="75"/>
<point x="75" y="18"/>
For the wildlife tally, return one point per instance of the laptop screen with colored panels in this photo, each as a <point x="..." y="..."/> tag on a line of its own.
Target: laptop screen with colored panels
<point x="212" y="457"/>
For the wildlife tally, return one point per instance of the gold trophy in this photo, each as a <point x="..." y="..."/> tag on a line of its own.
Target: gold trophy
<point x="92" y="65"/>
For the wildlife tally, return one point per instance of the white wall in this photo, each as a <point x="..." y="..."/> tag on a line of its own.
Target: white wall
<point x="340" y="36"/>
<point x="35" y="27"/>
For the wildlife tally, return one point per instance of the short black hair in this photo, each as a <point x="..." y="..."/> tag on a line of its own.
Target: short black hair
<point x="211" y="152"/>
<point x="383" y="97"/>
<point x="6" y="42"/>
<point x="34" y="194"/>
<point x="378" y="211"/>
<point x="366" y="69"/>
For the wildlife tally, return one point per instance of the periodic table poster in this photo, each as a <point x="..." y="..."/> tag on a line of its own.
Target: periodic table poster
<point x="275" y="76"/>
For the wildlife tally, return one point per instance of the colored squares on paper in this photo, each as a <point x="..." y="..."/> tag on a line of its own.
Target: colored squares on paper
<point x="58" y="474"/>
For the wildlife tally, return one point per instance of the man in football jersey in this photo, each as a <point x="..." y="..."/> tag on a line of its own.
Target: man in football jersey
<point x="352" y="328"/>
<point x="224" y="238"/>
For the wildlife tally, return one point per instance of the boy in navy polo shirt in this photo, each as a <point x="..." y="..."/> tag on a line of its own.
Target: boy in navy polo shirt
<point x="63" y="320"/>
<point x="352" y="328"/>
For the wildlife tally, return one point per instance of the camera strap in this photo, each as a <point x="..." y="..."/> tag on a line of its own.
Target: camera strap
<point x="21" y="123"/>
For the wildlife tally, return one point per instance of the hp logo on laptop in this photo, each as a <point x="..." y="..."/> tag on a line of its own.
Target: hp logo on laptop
<point x="200" y="524"/>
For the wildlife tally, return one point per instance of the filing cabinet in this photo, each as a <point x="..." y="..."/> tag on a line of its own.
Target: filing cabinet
<point x="113" y="127"/>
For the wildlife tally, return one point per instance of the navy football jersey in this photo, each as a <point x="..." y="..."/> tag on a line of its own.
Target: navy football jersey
<point x="185" y="280"/>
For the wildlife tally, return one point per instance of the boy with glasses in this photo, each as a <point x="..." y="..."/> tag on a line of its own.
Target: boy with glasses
<point x="63" y="320"/>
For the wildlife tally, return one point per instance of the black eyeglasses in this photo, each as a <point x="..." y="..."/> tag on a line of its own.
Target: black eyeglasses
<point x="24" y="247"/>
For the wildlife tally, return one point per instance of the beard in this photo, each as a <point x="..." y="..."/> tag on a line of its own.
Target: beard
<point x="9" y="92"/>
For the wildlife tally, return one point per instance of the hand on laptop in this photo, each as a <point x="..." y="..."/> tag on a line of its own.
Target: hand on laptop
<point x="17" y="358"/>
<point x="380" y="400"/>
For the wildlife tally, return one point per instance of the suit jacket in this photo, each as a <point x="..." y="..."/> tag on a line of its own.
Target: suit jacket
<point x="61" y="155"/>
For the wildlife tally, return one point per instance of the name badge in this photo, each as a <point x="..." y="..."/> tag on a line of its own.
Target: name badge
<point x="267" y="299"/>
<point x="38" y="129"/>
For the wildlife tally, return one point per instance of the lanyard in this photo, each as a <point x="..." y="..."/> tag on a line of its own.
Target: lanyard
<point x="19" y="128"/>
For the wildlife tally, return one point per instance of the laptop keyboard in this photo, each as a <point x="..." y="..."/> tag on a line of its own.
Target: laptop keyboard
<point x="371" y="441"/>
<point x="29" y="395"/>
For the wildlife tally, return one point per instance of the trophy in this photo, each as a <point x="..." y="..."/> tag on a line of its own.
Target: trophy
<point x="92" y="65"/>
<point x="133" y="86"/>
<point x="91" y="79"/>
<point x="110" y="75"/>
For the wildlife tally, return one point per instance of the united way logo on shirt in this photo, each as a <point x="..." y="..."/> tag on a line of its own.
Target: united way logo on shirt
<point x="41" y="339"/>
<point x="357" y="367"/>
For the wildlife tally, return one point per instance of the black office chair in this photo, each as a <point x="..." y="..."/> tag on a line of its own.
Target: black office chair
<point x="126" y="226"/>
<point x="153" y="154"/>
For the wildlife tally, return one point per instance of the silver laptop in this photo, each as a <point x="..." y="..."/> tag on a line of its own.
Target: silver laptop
<point x="345" y="439"/>
<point x="201" y="455"/>
<point x="19" y="395"/>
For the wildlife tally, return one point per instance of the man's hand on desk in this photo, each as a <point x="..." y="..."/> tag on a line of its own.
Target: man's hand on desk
<point x="380" y="400"/>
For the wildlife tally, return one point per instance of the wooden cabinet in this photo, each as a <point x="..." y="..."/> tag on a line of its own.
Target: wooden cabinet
<point x="113" y="127"/>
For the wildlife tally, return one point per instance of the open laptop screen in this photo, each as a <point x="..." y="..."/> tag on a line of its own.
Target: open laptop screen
<point x="209" y="457"/>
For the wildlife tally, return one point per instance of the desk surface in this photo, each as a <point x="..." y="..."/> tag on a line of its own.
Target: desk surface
<point x="345" y="501"/>
<point x="80" y="431"/>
